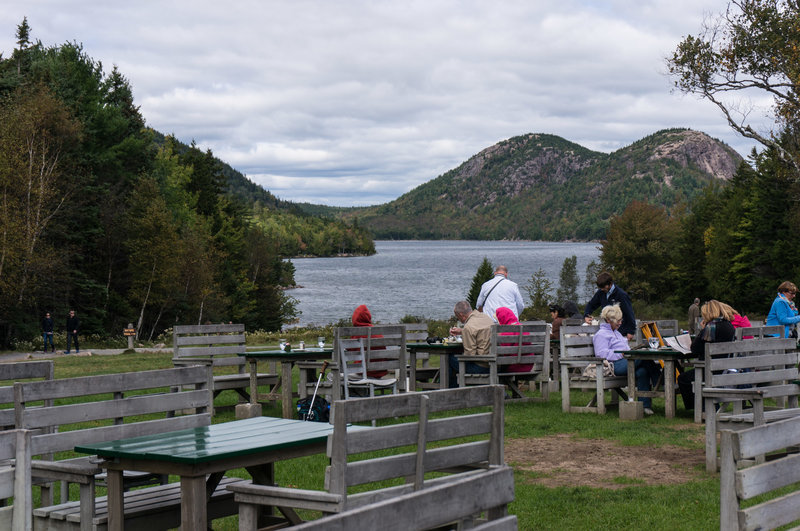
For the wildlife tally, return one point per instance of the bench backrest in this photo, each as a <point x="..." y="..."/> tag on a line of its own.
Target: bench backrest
<point x="523" y="344"/>
<point x="447" y="450"/>
<point x="15" y="372"/>
<point x="218" y="344"/>
<point x="739" y="484"/>
<point x="115" y="401"/>
<point x="432" y="507"/>
<point x="15" y="480"/>
<point x="384" y="347"/>
<point x="770" y="364"/>
<point x="760" y="332"/>
<point x="416" y="332"/>
<point x="575" y="341"/>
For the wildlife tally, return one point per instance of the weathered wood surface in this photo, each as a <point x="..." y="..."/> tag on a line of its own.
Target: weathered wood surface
<point x="576" y="353"/>
<point x="15" y="372"/>
<point x="219" y="345"/>
<point x="114" y="401"/>
<point x="760" y="332"/>
<point x="348" y="467"/>
<point x="432" y="507"/>
<point x="523" y="344"/>
<point x="739" y="483"/>
<point x="742" y="375"/>
<point x="15" y="480"/>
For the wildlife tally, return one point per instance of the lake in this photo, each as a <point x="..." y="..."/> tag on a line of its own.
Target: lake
<point x="421" y="278"/>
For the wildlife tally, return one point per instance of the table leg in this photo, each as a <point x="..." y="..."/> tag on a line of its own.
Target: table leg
<point x="116" y="509"/>
<point x="633" y="395"/>
<point x="253" y="381"/>
<point x="193" y="503"/>
<point x="669" y="388"/>
<point x="412" y="371"/>
<point x="286" y="389"/>
<point x="444" y="371"/>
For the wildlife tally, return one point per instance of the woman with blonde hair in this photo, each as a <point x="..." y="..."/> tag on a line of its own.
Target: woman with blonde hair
<point x="607" y="344"/>
<point x="717" y="328"/>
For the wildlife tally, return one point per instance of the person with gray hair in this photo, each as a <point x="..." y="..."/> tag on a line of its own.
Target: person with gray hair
<point x="476" y="337"/>
<point x="607" y="344"/>
<point x="498" y="292"/>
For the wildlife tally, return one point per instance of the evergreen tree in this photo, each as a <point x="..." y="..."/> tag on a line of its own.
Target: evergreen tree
<point x="568" y="280"/>
<point x="539" y="290"/>
<point x="485" y="272"/>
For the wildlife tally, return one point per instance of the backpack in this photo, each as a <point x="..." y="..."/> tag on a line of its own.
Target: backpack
<point x="319" y="413"/>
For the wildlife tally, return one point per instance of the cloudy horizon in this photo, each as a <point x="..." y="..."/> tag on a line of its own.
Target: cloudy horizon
<point x="355" y="103"/>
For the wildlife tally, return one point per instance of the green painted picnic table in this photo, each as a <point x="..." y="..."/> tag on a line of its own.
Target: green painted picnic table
<point x="286" y="361"/>
<point x="201" y="456"/>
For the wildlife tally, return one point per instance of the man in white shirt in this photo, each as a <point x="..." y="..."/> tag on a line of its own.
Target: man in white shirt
<point x="499" y="292"/>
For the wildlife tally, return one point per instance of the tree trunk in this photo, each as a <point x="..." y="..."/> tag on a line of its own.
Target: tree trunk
<point x="144" y="303"/>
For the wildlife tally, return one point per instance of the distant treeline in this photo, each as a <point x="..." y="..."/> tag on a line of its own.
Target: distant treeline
<point x="101" y="214"/>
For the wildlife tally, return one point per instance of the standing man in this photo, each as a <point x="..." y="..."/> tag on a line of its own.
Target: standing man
<point x="73" y="325"/>
<point x="694" y="314"/>
<point x="499" y="292"/>
<point x="476" y="337"/>
<point x="47" y="331"/>
<point x="607" y="294"/>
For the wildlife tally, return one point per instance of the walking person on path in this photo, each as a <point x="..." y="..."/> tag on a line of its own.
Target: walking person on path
<point x="73" y="326"/>
<point x="47" y="331"/>
<point x="694" y="314"/>
<point x="499" y="292"/>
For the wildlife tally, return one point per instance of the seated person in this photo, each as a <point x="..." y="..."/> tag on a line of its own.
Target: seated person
<point x="608" y="340"/>
<point x="716" y="328"/>
<point x="476" y="338"/>
<point x="506" y="317"/>
<point x="558" y="314"/>
<point x="363" y="317"/>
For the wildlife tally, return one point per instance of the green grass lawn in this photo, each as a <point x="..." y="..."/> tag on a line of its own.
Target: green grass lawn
<point x="691" y="505"/>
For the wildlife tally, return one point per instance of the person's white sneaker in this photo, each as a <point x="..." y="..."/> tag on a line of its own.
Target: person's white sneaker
<point x="648" y="411"/>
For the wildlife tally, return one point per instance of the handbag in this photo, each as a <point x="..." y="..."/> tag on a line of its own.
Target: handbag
<point x="590" y="371"/>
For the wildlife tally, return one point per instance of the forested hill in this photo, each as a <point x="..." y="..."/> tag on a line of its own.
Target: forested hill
<point x="296" y="231"/>
<point x="543" y="187"/>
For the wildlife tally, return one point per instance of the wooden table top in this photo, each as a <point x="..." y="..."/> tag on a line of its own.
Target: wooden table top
<point x="217" y="441"/>
<point x="435" y="346"/>
<point x="292" y="355"/>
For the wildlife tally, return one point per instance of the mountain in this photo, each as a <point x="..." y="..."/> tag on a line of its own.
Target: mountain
<point x="543" y="187"/>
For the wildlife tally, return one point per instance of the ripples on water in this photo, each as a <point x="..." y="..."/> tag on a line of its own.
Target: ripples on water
<point x="422" y="278"/>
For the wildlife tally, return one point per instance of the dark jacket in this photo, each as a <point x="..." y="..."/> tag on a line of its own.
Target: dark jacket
<point x="73" y="324"/>
<point x="602" y="299"/>
<point x="47" y="324"/>
<point x="717" y="331"/>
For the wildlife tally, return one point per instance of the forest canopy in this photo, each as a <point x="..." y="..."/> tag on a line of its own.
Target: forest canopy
<point x="101" y="214"/>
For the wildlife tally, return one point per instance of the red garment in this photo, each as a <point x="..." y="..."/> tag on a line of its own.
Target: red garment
<point x="362" y="317"/>
<point x="506" y="317"/>
<point x="741" y="321"/>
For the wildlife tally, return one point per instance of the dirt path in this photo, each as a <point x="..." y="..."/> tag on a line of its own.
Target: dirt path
<point x="561" y="460"/>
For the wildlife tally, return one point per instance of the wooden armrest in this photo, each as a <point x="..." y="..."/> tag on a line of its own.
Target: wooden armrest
<point x="579" y="362"/>
<point x="80" y="470"/>
<point x="247" y="492"/>
<point x="733" y="394"/>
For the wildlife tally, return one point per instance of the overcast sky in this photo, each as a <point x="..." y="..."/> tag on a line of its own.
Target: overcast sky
<point x="355" y="102"/>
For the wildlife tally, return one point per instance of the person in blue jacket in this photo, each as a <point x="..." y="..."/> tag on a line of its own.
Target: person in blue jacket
<point x="783" y="310"/>
<point x="608" y="294"/>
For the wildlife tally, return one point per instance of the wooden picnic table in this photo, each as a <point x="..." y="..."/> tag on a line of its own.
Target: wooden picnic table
<point x="443" y="350"/>
<point x="194" y="454"/>
<point x="672" y="360"/>
<point x="286" y="360"/>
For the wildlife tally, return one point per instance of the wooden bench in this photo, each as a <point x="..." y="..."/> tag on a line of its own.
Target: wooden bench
<point x="760" y="332"/>
<point x="432" y="507"/>
<point x="15" y="372"/>
<point x="749" y="371"/>
<point x="438" y="446"/>
<point x="114" y="405"/>
<point x="522" y="344"/>
<point x="220" y="346"/>
<point x="739" y="484"/>
<point x="576" y="353"/>
<point x="15" y="480"/>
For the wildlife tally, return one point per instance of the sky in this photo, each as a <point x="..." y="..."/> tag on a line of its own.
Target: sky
<point x="355" y="102"/>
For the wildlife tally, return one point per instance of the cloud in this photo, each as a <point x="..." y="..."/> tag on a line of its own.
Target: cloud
<point x="356" y="102"/>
